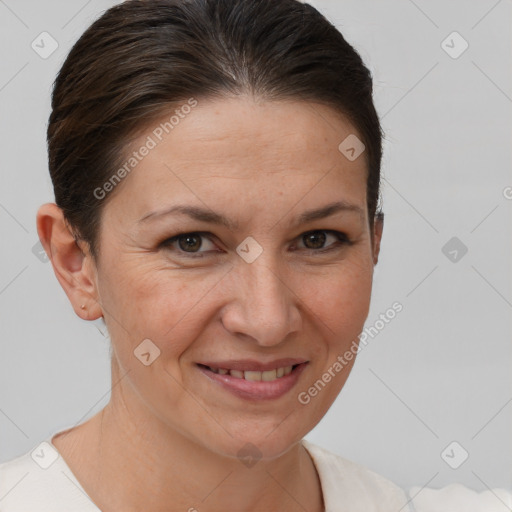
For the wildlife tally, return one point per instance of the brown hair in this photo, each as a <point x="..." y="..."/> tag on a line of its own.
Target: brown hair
<point x="141" y="58"/>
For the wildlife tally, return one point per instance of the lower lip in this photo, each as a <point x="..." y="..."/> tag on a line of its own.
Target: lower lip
<point x="256" y="390"/>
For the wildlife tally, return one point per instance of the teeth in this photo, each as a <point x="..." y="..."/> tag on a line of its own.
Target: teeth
<point x="267" y="376"/>
<point x="252" y="375"/>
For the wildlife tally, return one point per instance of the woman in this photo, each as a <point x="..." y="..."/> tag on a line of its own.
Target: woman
<point x="216" y="168"/>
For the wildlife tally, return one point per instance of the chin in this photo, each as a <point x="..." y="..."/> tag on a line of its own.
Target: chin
<point x="258" y="444"/>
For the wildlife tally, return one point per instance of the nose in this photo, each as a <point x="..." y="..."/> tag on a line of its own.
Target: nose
<point x="264" y="307"/>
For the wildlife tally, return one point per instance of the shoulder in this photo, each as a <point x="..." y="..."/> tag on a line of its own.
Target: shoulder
<point x="456" y="496"/>
<point x="348" y="485"/>
<point x="40" y="481"/>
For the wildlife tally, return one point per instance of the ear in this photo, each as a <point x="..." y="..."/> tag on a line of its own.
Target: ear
<point x="378" y="227"/>
<point x="73" y="267"/>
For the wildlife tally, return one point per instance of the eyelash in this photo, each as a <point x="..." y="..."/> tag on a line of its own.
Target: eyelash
<point x="342" y="241"/>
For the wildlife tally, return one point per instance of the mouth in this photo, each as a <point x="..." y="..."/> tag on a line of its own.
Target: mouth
<point x="255" y="381"/>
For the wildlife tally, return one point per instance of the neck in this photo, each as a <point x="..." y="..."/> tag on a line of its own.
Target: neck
<point x="134" y="462"/>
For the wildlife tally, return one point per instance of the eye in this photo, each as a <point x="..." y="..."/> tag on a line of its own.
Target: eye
<point x="315" y="240"/>
<point x="189" y="243"/>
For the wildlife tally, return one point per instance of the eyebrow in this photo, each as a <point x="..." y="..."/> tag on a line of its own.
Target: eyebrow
<point x="211" y="217"/>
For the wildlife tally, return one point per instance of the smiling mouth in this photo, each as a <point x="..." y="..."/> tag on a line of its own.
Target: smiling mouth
<point x="266" y="376"/>
<point x="254" y="380"/>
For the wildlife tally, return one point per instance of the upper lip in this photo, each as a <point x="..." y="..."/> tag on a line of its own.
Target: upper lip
<point x="248" y="365"/>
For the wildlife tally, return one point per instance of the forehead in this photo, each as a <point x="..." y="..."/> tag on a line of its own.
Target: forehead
<point x="259" y="131"/>
<point x="239" y="148"/>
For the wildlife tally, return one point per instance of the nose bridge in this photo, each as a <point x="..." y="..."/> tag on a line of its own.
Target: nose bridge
<point x="267" y="307"/>
<point x="266" y="286"/>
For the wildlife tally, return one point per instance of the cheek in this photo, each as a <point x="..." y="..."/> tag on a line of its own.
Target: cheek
<point x="168" y="307"/>
<point x="339" y="301"/>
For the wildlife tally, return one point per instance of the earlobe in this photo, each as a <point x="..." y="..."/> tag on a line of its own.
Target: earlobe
<point x="377" y="236"/>
<point x="72" y="265"/>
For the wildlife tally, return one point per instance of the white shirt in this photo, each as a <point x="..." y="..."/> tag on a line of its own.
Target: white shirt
<point x="41" y="481"/>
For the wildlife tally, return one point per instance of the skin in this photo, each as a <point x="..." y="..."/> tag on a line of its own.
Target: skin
<point x="171" y="434"/>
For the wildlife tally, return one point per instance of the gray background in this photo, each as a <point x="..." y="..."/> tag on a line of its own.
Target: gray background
<point x="440" y="371"/>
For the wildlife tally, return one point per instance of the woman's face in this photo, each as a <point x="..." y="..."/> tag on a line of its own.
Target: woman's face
<point x="248" y="290"/>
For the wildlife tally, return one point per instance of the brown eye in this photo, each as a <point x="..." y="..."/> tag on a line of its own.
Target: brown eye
<point x="314" y="240"/>
<point x="190" y="242"/>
